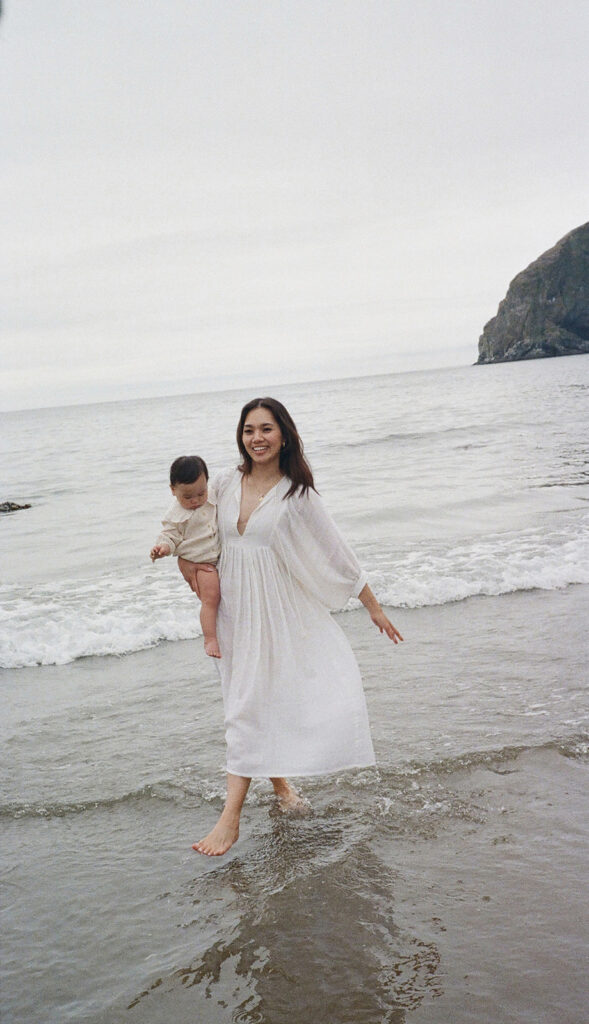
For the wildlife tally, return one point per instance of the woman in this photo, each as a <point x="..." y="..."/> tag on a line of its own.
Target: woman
<point x="292" y="692"/>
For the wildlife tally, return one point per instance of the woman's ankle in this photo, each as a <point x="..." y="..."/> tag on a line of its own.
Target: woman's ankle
<point x="282" y="787"/>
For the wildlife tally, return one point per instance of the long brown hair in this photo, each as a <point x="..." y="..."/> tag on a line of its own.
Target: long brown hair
<point x="292" y="460"/>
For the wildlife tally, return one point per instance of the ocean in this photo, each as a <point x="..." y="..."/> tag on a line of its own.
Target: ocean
<point x="447" y="885"/>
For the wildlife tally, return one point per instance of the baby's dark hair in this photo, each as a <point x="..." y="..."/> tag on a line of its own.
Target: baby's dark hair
<point x="186" y="470"/>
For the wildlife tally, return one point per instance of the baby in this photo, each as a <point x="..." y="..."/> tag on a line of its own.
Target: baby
<point x="190" y="530"/>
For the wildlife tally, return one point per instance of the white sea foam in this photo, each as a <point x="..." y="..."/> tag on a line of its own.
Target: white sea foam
<point x="54" y="624"/>
<point x="500" y="564"/>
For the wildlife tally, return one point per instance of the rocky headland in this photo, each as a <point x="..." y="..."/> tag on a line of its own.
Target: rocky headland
<point x="546" y="309"/>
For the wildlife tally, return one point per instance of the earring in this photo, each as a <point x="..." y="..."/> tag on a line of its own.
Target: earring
<point x="283" y="445"/>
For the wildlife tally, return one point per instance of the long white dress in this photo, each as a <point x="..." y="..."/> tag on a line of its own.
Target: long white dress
<point x="292" y="692"/>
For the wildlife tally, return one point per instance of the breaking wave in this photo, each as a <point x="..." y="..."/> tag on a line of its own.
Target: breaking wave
<point x="53" y="624"/>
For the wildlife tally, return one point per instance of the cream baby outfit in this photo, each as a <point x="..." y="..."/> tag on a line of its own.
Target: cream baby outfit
<point x="292" y="692"/>
<point x="192" y="533"/>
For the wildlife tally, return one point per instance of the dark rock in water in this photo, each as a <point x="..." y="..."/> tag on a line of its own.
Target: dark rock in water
<point x="546" y="309"/>
<point x="11" y="506"/>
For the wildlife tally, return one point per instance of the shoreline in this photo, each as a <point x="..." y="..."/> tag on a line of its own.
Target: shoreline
<point x="461" y="912"/>
<point x="378" y="901"/>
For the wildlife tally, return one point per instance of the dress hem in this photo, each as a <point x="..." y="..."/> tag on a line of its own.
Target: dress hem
<point x="295" y="773"/>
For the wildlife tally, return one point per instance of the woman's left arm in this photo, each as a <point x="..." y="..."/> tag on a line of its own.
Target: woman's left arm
<point x="377" y="615"/>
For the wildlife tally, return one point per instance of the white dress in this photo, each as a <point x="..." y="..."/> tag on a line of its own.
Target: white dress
<point x="292" y="692"/>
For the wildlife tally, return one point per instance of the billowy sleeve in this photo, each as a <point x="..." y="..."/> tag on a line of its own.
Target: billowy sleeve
<point x="314" y="552"/>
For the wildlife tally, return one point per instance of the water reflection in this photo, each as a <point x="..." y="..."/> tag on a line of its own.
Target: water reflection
<point x="305" y="933"/>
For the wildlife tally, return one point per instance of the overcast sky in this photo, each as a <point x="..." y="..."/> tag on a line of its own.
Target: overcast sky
<point x="216" y="194"/>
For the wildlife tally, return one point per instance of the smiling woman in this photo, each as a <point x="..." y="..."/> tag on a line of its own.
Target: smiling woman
<point x="292" y="692"/>
<point x="261" y="444"/>
<point x="267" y="436"/>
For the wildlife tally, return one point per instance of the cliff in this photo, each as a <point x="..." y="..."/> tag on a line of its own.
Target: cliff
<point x="546" y="309"/>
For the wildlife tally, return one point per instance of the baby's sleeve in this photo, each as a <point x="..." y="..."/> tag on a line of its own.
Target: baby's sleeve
<point x="171" y="534"/>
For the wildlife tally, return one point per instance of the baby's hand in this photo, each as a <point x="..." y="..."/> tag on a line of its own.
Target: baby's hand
<point x="159" y="551"/>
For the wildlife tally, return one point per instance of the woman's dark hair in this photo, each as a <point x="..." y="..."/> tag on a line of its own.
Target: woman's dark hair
<point x="292" y="460"/>
<point x="186" y="470"/>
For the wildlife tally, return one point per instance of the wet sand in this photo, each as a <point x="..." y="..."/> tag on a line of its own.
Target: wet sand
<point x="448" y="887"/>
<point x="486" y="920"/>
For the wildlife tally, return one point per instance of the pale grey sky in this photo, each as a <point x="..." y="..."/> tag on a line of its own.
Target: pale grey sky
<point x="202" y="194"/>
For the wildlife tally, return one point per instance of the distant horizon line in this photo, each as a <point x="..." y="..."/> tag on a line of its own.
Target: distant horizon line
<point x="240" y="387"/>
<point x="222" y="390"/>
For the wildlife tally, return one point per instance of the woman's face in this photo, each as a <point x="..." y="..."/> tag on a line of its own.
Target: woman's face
<point x="262" y="437"/>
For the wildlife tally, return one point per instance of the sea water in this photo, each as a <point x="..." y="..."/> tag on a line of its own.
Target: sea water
<point x="448" y="484"/>
<point x="464" y="495"/>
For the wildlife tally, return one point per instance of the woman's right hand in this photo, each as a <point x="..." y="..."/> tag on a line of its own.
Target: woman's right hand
<point x="190" y="571"/>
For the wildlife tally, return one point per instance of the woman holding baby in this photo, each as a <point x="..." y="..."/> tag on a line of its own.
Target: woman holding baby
<point x="292" y="692"/>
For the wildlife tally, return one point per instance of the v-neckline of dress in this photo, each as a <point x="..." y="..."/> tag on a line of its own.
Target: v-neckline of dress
<point x="239" y="496"/>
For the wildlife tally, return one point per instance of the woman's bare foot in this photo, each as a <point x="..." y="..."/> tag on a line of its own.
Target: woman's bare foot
<point x="212" y="647"/>
<point x="221" y="839"/>
<point x="289" y="801"/>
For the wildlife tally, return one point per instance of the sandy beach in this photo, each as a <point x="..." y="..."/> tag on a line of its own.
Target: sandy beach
<point x="450" y="886"/>
<point x="487" y="922"/>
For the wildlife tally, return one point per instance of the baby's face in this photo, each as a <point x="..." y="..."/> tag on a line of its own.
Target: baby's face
<point x="191" y="496"/>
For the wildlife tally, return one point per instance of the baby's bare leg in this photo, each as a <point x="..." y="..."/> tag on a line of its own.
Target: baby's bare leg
<point x="210" y="595"/>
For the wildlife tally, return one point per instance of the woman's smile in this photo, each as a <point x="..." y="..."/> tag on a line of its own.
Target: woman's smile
<point x="262" y="437"/>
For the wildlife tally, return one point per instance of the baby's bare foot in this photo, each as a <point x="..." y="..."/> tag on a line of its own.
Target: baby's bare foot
<point x="212" y="647"/>
<point x="221" y="839"/>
